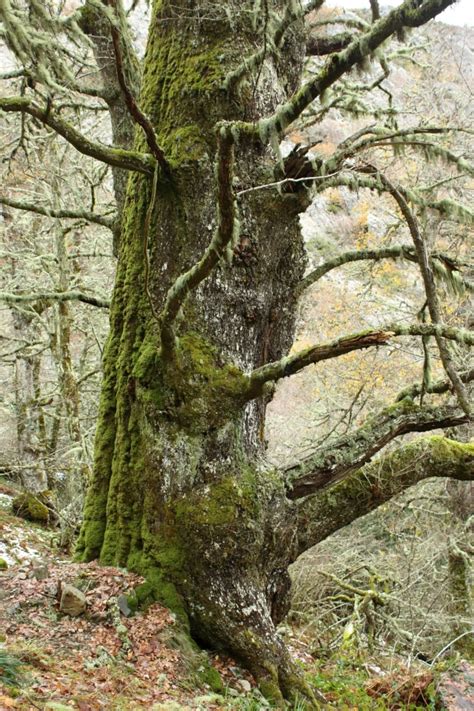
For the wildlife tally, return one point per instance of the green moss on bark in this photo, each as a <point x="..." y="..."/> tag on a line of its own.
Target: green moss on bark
<point x="32" y="507"/>
<point x="183" y="72"/>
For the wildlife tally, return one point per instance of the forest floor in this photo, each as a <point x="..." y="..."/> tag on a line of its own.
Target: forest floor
<point x="104" y="660"/>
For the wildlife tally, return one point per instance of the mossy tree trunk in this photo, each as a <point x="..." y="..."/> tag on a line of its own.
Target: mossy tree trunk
<point x="177" y="493"/>
<point x="180" y="492"/>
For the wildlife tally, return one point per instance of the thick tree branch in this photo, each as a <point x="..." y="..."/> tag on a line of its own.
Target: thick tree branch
<point x="223" y="237"/>
<point x="330" y="510"/>
<point x="411" y="13"/>
<point x="120" y="158"/>
<point x="67" y="214"/>
<point x="317" y="46"/>
<point x="55" y="296"/>
<point x="333" y="462"/>
<point x="271" y="372"/>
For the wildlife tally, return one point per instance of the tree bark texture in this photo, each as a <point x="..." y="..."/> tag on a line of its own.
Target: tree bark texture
<point x="180" y="491"/>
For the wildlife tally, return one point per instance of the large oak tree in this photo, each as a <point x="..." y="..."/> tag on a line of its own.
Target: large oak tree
<point x="210" y="269"/>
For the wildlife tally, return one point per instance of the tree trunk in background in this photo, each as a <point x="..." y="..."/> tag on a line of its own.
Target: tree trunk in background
<point x="461" y="607"/>
<point x="461" y="505"/>
<point x="29" y="419"/>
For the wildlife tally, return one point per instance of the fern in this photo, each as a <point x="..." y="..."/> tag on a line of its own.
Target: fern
<point x="10" y="669"/>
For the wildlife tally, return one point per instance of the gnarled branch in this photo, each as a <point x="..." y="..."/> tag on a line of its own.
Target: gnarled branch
<point x="333" y="462"/>
<point x="289" y="365"/>
<point x="120" y="158"/>
<point x="331" y="509"/>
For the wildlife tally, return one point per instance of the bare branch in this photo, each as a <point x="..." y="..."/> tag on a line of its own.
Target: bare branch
<point x="425" y="264"/>
<point x="67" y="214"/>
<point x="55" y="296"/>
<point x="130" y="160"/>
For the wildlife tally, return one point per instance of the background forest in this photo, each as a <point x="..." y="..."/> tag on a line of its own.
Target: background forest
<point x="389" y="594"/>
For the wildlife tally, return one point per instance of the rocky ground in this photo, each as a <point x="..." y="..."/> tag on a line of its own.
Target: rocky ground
<point x="68" y="640"/>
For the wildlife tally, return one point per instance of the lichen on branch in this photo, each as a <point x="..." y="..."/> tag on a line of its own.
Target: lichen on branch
<point x="120" y="158"/>
<point x="363" y="491"/>
<point x="289" y="365"/>
<point x="411" y="13"/>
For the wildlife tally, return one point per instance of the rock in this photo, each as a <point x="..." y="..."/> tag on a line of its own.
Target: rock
<point x="245" y="685"/>
<point x="40" y="573"/>
<point x="456" y="688"/>
<point x="123" y="606"/>
<point x="73" y="601"/>
<point x="32" y="507"/>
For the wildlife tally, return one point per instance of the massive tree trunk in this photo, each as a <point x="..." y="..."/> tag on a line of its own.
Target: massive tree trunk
<point x="180" y="491"/>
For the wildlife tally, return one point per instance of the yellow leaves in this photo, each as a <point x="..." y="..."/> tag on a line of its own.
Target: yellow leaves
<point x="389" y="274"/>
<point x="327" y="148"/>
<point x="362" y="211"/>
<point x="300" y="344"/>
